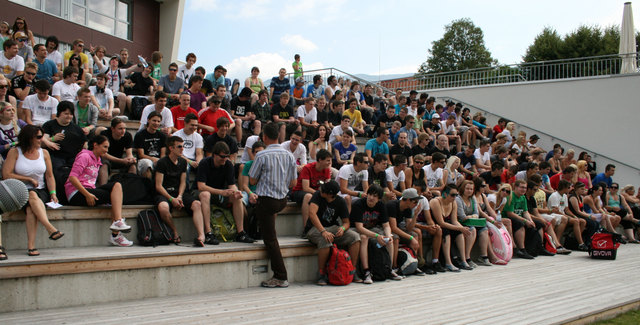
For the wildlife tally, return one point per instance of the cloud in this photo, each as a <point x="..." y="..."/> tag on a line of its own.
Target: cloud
<point x="298" y="42"/>
<point x="248" y="9"/>
<point x="268" y="63"/>
<point x="203" y="5"/>
<point x="399" y="70"/>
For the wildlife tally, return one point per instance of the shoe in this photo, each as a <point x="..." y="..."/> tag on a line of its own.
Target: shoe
<point x="623" y="241"/>
<point x="466" y="266"/>
<point x="634" y="241"/>
<point x="120" y="240"/>
<point x="303" y="235"/>
<point x="395" y="276"/>
<point x="484" y="261"/>
<point x="451" y="268"/>
<point x="545" y="252"/>
<point x="429" y="270"/>
<point x="3" y="254"/>
<point x="56" y="235"/>
<point x="197" y="242"/>
<point x="563" y="251"/>
<point x="323" y="280"/>
<point x="470" y="263"/>
<point x="419" y="272"/>
<point x="367" y="278"/>
<point x="120" y="225"/>
<point x="421" y="262"/>
<point x="210" y="239"/>
<point x="456" y="262"/>
<point x="583" y="248"/>
<point x="33" y="252"/>
<point x="521" y="253"/>
<point x="356" y="278"/>
<point x="275" y="283"/>
<point x="438" y="267"/>
<point x="242" y="237"/>
<point x="499" y="262"/>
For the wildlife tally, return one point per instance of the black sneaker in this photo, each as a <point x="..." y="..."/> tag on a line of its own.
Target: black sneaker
<point x="323" y="280"/>
<point x="210" y="239"/>
<point x="419" y="272"/>
<point x="545" y="252"/>
<point x="242" y="237"/>
<point x="583" y="248"/>
<point x="521" y="253"/>
<point x="438" y="267"/>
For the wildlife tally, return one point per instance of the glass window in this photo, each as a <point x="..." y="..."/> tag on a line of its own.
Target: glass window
<point x="122" y="30"/>
<point x="53" y="7"/>
<point x="104" y="7"/>
<point x="123" y="11"/>
<point x="101" y="23"/>
<point x="29" y="3"/>
<point x="79" y="15"/>
<point x="80" y="2"/>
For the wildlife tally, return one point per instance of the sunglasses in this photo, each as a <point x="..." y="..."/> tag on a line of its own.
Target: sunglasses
<point x="22" y="39"/>
<point x="30" y="73"/>
<point x="614" y="187"/>
<point x="418" y="162"/>
<point x="173" y="70"/>
<point x="506" y="191"/>
<point x="4" y="86"/>
<point x="223" y="156"/>
<point x="75" y="58"/>
<point x="454" y="194"/>
<point x="366" y="162"/>
<point x="39" y="136"/>
<point x="19" y="22"/>
<point x="179" y="146"/>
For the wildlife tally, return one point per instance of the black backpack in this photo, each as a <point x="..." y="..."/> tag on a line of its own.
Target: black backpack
<point x="138" y="104"/>
<point x="533" y="241"/>
<point x="379" y="261"/>
<point x="135" y="189"/>
<point x="152" y="231"/>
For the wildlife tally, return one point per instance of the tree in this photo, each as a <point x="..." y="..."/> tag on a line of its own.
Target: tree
<point x="546" y="46"/>
<point x="462" y="47"/>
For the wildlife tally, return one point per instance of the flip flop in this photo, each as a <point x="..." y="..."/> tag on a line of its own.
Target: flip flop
<point x="33" y="252"/>
<point x="198" y="243"/>
<point x="3" y="254"/>
<point x="177" y="240"/>
<point x="56" y="235"/>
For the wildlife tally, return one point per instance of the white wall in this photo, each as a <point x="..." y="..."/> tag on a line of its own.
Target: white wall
<point x="600" y="115"/>
<point x="171" y="13"/>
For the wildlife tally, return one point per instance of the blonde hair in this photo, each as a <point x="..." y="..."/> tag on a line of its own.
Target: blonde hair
<point x="505" y="186"/>
<point x="452" y="161"/>
<point x="582" y="165"/>
<point x="3" y="106"/>
<point x="510" y="126"/>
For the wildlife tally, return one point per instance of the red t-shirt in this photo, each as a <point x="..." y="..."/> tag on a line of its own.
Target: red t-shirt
<point x="310" y="172"/>
<point x="504" y="178"/>
<point x="497" y="130"/>
<point x="179" y="114"/>
<point x="555" y="180"/>
<point x="210" y="118"/>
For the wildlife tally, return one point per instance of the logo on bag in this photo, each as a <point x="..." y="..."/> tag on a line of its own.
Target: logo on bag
<point x="602" y="253"/>
<point x="602" y="243"/>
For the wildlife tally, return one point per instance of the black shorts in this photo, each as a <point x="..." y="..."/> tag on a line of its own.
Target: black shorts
<point x="449" y="232"/>
<point x="115" y="166"/>
<point x="103" y="193"/>
<point x="42" y="193"/>
<point x="298" y="196"/>
<point x="187" y="199"/>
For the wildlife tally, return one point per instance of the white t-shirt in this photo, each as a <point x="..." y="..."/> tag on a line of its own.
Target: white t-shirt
<point x="55" y="56"/>
<point x="115" y="79"/>
<point x="10" y="67"/>
<point x="433" y="176"/>
<point x="348" y="172"/>
<point x="423" y="204"/>
<point x="191" y="143"/>
<point x="447" y="129"/>
<point x="66" y="92"/>
<point x="300" y="154"/>
<point x="483" y="158"/>
<point x="337" y="131"/>
<point x="492" y="198"/>
<point x="103" y="97"/>
<point x="185" y="73"/>
<point x="308" y="117"/>
<point x="40" y="111"/>
<point x="167" y="117"/>
<point x="559" y="201"/>
<point x="247" y="147"/>
<point x="393" y="178"/>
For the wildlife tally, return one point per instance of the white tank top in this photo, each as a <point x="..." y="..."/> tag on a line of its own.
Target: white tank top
<point x="31" y="168"/>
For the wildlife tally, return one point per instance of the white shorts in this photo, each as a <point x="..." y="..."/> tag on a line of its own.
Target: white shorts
<point x="552" y="216"/>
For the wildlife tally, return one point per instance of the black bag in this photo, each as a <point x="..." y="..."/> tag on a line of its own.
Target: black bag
<point x="533" y="241"/>
<point x="604" y="245"/>
<point x="379" y="261"/>
<point x="152" y="231"/>
<point x="135" y="189"/>
<point x="137" y="105"/>
<point x="591" y="228"/>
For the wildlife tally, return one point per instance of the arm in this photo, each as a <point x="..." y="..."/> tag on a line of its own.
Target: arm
<point x="8" y="168"/>
<point x="142" y="155"/>
<point x="345" y="190"/>
<point x="393" y="224"/>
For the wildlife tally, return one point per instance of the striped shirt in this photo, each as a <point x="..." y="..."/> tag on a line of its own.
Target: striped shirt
<point x="274" y="168"/>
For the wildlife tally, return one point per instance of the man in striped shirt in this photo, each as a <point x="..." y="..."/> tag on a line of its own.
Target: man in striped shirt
<point x="274" y="173"/>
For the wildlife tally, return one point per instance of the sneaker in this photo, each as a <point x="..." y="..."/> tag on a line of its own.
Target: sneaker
<point x="323" y="280"/>
<point x="583" y="248"/>
<point x="429" y="270"/>
<point x="356" y="278"/>
<point x="395" y="276"/>
<point x="466" y="266"/>
<point x="521" y="253"/>
<point x="451" y="268"/>
<point x="210" y="239"/>
<point x="484" y="261"/>
<point x="397" y="272"/>
<point x="275" y="283"/>
<point x="419" y="272"/>
<point x="563" y="251"/>
<point x="545" y="252"/>
<point x="242" y="237"/>
<point x="120" y="240"/>
<point x="367" y="278"/>
<point x="472" y="264"/>
<point x="438" y="267"/>
<point x="120" y="225"/>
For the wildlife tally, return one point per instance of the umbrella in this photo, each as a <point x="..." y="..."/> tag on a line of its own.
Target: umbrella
<point x="627" y="41"/>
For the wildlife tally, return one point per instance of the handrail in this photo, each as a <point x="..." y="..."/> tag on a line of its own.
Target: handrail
<point x="595" y="154"/>
<point x="308" y="77"/>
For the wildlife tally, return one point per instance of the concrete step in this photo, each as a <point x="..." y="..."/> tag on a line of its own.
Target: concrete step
<point x="64" y="277"/>
<point x="85" y="226"/>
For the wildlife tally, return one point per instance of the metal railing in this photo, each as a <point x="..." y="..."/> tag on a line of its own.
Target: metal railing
<point x="325" y="73"/>
<point x="533" y="71"/>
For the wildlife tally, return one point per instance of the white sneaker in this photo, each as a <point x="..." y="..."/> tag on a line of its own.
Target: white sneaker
<point x="120" y="225"/>
<point x="120" y="240"/>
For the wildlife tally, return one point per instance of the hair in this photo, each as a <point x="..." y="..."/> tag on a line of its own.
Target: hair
<point x="544" y="165"/>
<point x="65" y="106"/>
<point x="194" y="79"/>
<point x="583" y="155"/>
<point x="331" y="79"/>
<point x="160" y="94"/>
<point x="190" y="117"/>
<point x="609" y="167"/>
<point x="284" y="95"/>
<point x="98" y="139"/>
<point x="154" y="114"/>
<point x="532" y="185"/>
<point x="536" y="178"/>
<point x="317" y="78"/>
<point x="256" y="145"/>
<point x="246" y="92"/>
<point x="423" y="136"/>
<point x="201" y="69"/>
<point x="375" y="190"/>
<point x="271" y="131"/>
<point x="563" y="184"/>
<point x="359" y="157"/>
<point x="399" y="160"/>
<point x="531" y="165"/>
<point x="222" y="121"/>
<point x="68" y="71"/>
<point x="437" y="156"/>
<point x="115" y="121"/>
<point x="569" y="169"/>
<point x="173" y="139"/>
<point x="347" y="132"/>
<point x="323" y="154"/>
<point x="8" y="43"/>
<point x="379" y="157"/>
<point x="189" y="56"/>
<point x="27" y="133"/>
<point x="37" y="47"/>
<point x="581" y="164"/>
<point x="173" y="64"/>
<point x="42" y="85"/>
<point x="53" y="39"/>
<point x="477" y="184"/>
<point x="594" y="188"/>
<point x="220" y="147"/>
<point x="213" y="99"/>
<point x="497" y="165"/>
<point x="451" y="161"/>
<point x="464" y="184"/>
<point x="447" y="189"/>
<point x="380" y="131"/>
<point x="519" y="182"/>
<point x="82" y="91"/>
<point x="156" y="56"/>
<point x="263" y="92"/>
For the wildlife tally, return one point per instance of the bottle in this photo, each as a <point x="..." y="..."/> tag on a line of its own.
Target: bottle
<point x="142" y="61"/>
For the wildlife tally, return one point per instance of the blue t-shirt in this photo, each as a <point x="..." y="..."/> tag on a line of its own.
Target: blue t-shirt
<point x="215" y="82"/>
<point x="317" y="92"/>
<point x="345" y="153"/>
<point x="46" y="70"/>
<point x="411" y="134"/>
<point x="602" y="178"/>
<point x="279" y="86"/>
<point x="376" y="148"/>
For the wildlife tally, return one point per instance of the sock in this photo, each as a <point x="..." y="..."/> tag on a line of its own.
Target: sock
<point x="434" y="261"/>
<point x="484" y="257"/>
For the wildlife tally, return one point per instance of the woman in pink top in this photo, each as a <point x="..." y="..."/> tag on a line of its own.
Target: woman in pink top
<point x="583" y="175"/>
<point x="81" y="188"/>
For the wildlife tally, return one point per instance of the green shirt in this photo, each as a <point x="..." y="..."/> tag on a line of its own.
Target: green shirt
<point x="518" y="205"/>
<point x="245" y="172"/>
<point x="297" y="72"/>
<point x="83" y="119"/>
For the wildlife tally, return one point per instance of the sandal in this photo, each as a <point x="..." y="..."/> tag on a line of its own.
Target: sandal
<point x="3" y="254"/>
<point x="33" y="252"/>
<point x="197" y="242"/>
<point x="177" y="240"/>
<point x="56" y="235"/>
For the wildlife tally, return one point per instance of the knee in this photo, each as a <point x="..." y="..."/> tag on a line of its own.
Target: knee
<point x="33" y="196"/>
<point x="204" y="197"/>
<point x="163" y="207"/>
<point x="196" y="205"/>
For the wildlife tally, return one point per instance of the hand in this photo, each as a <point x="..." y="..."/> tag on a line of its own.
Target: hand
<point x="91" y="199"/>
<point x="327" y="236"/>
<point x="177" y="202"/>
<point x="52" y="145"/>
<point x="414" y="244"/>
<point x="130" y="160"/>
<point x="58" y="137"/>
<point x="498" y="224"/>
<point x="381" y="241"/>
<point x="465" y="231"/>
<point x="340" y="232"/>
<point x="253" y="198"/>
<point x="86" y="130"/>
<point x="237" y="194"/>
<point x="193" y="163"/>
<point x="530" y="224"/>
<point x="34" y="182"/>
<point x="54" y="198"/>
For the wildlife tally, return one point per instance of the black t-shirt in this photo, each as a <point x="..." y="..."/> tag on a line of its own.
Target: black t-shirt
<point x="322" y="116"/>
<point x="418" y="150"/>
<point x="492" y="182"/>
<point x="117" y="147"/>
<point x="393" y="211"/>
<point x="151" y="144"/>
<point x="464" y="160"/>
<point x="531" y="203"/>
<point x="20" y="83"/>
<point x="370" y="217"/>
<point x="142" y="84"/>
<point x="240" y="107"/>
<point x="329" y="213"/>
<point x="374" y="178"/>
<point x="435" y="127"/>
<point x="368" y="99"/>
<point x="335" y="118"/>
<point x="282" y="112"/>
<point x="172" y="173"/>
<point x="443" y="151"/>
<point x="398" y="150"/>
<point x="388" y="121"/>
<point x="216" y="177"/>
<point x="214" y="138"/>
<point x="73" y="142"/>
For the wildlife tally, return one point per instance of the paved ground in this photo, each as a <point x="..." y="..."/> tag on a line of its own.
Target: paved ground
<point x="543" y="291"/>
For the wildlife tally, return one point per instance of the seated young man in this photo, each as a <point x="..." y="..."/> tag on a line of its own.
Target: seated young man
<point x="542" y="225"/>
<point x="402" y="224"/>
<point x="217" y="185"/>
<point x="149" y="142"/>
<point x="243" y="115"/>
<point x="428" y="229"/>
<point x="120" y="154"/>
<point x="309" y="181"/>
<point x="166" y="125"/>
<point x="326" y="210"/>
<point x="395" y="175"/>
<point x="370" y="218"/>
<point x="248" y="197"/>
<point x="559" y="204"/>
<point x="351" y="175"/>
<point x="297" y="149"/>
<point x="516" y="211"/>
<point x="338" y="131"/>
<point x="170" y="185"/>
<point x="62" y="137"/>
<point x="221" y="134"/>
<point x="556" y="222"/>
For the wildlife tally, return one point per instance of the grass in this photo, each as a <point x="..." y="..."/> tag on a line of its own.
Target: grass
<point x="631" y="317"/>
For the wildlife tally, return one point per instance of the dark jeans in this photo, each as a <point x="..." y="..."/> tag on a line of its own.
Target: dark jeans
<point x="266" y="210"/>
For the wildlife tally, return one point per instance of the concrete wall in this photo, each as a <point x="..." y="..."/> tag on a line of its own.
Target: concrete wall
<point x="600" y="115"/>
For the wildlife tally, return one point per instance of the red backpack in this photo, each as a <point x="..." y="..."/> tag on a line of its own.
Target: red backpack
<point x="339" y="268"/>
<point x="604" y="245"/>
<point x="548" y="245"/>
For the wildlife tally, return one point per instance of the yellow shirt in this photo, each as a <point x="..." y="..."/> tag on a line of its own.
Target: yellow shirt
<point x="356" y="117"/>
<point x="83" y="57"/>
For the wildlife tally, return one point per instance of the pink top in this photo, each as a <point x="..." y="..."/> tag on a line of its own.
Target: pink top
<point x="585" y="181"/>
<point x="85" y="168"/>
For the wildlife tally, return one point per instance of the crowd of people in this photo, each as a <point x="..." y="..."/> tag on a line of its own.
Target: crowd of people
<point x="426" y="170"/>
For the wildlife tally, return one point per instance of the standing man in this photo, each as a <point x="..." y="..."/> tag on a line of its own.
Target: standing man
<point x="274" y="172"/>
<point x="297" y="67"/>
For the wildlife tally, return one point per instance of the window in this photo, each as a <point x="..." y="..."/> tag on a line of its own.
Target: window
<point x="108" y="16"/>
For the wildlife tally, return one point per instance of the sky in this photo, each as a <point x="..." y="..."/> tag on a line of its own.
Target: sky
<point x="374" y="37"/>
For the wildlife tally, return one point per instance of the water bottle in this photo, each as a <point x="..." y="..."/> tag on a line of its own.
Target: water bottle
<point x="499" y="217"/>
<point x="386" y="240"/>
<point x="142" y="61"/>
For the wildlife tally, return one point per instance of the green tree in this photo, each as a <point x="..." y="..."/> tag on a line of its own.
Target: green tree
<point x="462" y="47"/>
<point x="546" y="46"/>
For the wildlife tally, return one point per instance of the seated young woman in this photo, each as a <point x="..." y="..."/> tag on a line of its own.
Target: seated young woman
<point x="29" y="163"/>
<point x="444" y="210"/>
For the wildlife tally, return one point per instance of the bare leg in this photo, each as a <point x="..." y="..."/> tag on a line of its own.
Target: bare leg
<point x="364" y="254"/>
<point x="238" y="214"/>
<point x="198" y="221"/>
<point x="354" y="249"/>
<point x="483" y="241"/>
<point x="468" y="243"/>
<point x="165" y="215"/>
<point x="103" y="175"/>
<point x="116" y="202"/>
<point x="323" y="256"/>
<point x="305" y="208"/>
<point x="32" y="228"/>
<point x="205" y="203"/>
<point x="446" y="249"/>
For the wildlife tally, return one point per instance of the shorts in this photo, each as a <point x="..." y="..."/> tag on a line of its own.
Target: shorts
<point x="449" y="232"/>
<point x="516" y="224"/>
<point x="552" y="217"/>
<point x="187" y="199"/>
<point x="103" y="193"/>
<point x="344" y="242"/>
<point x="42" y="193"/>
<point x="298" y="196"/>
<point x="380" y="231"/>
